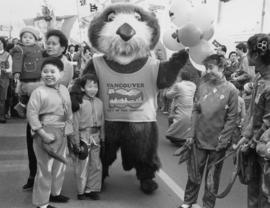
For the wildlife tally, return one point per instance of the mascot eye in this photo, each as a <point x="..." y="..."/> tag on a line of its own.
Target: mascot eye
<point x="110" y="17"/>
<point x="138" y="16"/>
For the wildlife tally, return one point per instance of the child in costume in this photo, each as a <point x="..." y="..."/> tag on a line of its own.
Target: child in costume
<point x="88" y="122"/>
<point x="27" y="59"/>
<point x="49" y="112"/>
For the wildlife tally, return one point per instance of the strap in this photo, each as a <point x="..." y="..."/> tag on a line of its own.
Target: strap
<point x="233" y="177"/>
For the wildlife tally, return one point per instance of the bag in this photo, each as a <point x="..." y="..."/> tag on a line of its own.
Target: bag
<point x="247" y="163"/>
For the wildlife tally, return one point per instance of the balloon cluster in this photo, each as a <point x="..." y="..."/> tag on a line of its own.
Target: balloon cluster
<point x="193" y="28"/>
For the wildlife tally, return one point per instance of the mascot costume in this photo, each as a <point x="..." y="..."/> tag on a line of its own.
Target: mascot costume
<point x="129" y="79"/>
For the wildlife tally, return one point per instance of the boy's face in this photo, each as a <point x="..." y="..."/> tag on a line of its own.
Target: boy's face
<point x="53" y="46"/>
<point x="50" y="74"/>
<point x="213" y="68"/>
<point x="28" y="39"/>
<point x="91" y="88"/>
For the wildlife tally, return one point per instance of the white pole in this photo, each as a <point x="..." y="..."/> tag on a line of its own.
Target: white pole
<point x="78" y="17"/>
<point x="263" y="14"/>
<point x="219" y="12"/>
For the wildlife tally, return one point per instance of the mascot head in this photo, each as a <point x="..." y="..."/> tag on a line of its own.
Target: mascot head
<point x="124" y="32"/>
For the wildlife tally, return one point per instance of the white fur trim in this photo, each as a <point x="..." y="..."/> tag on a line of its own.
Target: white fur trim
<point x="125" y="51"/>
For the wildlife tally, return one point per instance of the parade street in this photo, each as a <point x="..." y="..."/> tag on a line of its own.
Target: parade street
<point x="121" y="188"/>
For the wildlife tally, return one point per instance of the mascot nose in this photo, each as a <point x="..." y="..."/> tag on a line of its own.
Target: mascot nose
<point x="126" y="32"/>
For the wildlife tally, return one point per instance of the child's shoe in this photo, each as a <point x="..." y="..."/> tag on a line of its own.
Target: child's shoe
<point x="93" y="195"/>
<point x="81" y="197"/>
<point x="21" y="110"/>
<point x="59" y="199"/>
<point x="49" y="206"/>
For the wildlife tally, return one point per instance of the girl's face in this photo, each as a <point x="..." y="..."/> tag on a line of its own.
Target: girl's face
<point x="212" y="68"/>
<point x="28" y="39"/>
<point x="50" y="74"/>
<point x="90" y="88"/>
<point x="53" y="46"/>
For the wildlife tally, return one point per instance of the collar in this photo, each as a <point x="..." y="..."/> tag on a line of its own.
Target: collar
<point x="86" y="97"/>
<point x="45" y="55"/>
<point x="2" y="51"/>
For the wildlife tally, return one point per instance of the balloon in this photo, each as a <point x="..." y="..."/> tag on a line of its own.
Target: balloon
<point x="202" y="17"/>
<point x="199" y="67"/>
<point x="199" y="52"/>
<point x="170" y="40"/>
<point x="189" y="35"/>
<point x="208" y="34"/>
<point x="180" y="12"/>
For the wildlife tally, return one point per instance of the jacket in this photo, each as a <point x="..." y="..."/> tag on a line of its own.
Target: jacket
<point x="27" y="61"/>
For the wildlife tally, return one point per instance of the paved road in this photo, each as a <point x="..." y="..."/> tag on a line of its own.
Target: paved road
<point x="121" y="188"/>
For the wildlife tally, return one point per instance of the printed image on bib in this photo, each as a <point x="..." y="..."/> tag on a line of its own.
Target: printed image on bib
<point x="122" y="98"/>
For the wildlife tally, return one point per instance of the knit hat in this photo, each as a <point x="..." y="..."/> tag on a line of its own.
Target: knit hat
<point x="30" y="29"/>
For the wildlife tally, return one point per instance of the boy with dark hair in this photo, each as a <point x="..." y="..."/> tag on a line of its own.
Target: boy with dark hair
<point x="49" y="112"/>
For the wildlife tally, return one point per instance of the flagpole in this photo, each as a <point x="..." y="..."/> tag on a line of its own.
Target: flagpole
<point x="263" y="15"/>
<point x="78" y="17"/>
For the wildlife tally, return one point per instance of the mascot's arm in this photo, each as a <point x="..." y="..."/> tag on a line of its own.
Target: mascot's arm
<point x="89" y="68"/>
<point x="169" y="70"/>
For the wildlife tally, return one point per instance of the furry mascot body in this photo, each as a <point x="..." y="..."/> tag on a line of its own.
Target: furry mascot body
<point x="129" y="80"/>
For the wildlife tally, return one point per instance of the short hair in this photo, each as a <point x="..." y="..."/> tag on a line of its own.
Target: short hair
<point x="53" y="61"/>
<point x="62" y="38"/>
<point x="86" y="48"/>
<point x="71" y="45"/>
<point x="219" y="60"/>
<point x="3" y="40"/>
<point x="242" y="46"/>
<point x="260" y="43"/>
<point x="83" y="80"/>
<point x="231" y="53"/>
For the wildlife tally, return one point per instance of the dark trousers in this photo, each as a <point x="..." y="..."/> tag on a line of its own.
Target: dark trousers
<point x="4" y="83"/>
<point x="212" y="177"/>
<point x="31" y="154"/>
<point x="138" y="143"/>
<point x="256" y="198"/>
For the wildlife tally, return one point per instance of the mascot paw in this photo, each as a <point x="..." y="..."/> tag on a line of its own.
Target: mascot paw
<point x="148" y="186"/>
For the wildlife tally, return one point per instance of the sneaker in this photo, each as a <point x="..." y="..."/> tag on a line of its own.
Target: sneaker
<point x="185" y="206"/>
<point x="93" y="195"/>
<point x="59" y="199"/>
<point x="21" y="110"/>
<point x="49" y="206"/>
<point x="29" y="185"/>
<point x="81" y="197"/>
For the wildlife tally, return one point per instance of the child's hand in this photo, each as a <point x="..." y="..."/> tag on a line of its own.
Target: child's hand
<point x="76" y="149"/>
<point x="48" y="138"/>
